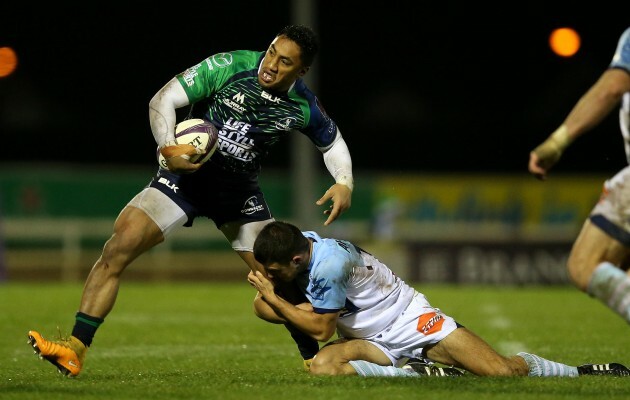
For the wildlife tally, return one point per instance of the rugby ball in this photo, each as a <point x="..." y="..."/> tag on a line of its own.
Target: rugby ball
<point x="199" y="133"/>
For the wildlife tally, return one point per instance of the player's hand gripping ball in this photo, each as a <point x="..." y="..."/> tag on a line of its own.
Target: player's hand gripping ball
<point x="199" y="133"/>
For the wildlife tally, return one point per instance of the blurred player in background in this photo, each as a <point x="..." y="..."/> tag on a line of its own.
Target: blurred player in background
<point x="598" y="262"/>
<point x="382" y="322"/>
<point x="254" y="98"/>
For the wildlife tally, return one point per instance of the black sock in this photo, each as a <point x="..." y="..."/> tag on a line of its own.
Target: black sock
<point x="85" y="327"/>
<point x="307" y="346"/>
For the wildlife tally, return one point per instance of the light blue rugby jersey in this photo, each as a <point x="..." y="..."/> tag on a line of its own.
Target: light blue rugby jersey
<point x="621" y="60"/>
<point x="343" y="277"/>
<point x="325" y="282"/>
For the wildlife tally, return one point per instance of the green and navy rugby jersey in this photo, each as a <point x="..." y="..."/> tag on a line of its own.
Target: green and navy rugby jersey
<point x="251" y="119"/>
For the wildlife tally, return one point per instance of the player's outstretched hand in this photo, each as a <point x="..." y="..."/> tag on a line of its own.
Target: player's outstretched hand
<point x="542" y="159"/>
<point x="535" y="168"/>
<point x="548" y="153"/>
<point x="341" y="197"/>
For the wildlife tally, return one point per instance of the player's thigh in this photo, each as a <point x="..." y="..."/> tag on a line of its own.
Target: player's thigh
<point x="242" y="235"/>
<point x="333" y="358"/>
<point x="592" y="247"/>
<point x="463" y="348"/>
<point x="134" y="233"/>
<point x="165" y="213"/>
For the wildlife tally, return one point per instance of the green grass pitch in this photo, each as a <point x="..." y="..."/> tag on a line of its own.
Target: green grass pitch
<point x="202" y="341"/>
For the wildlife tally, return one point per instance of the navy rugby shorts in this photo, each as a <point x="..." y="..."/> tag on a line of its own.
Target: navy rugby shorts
<point x="223" y="196"/>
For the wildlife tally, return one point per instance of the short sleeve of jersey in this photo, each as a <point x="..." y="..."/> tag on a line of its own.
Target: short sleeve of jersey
<point x="621" y="59"/>
<point x="207" y="77"/>
<point x="328" y="277"/>
<point x="320" y="128"/>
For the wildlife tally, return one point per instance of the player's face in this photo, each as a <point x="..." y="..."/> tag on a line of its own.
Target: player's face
<point x="281" y="65"/>
<point x="281" y="272"/>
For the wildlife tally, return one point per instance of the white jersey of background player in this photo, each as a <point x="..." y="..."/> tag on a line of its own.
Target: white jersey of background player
<point x="600" y="256"/>
<point x="616" y="195"/>
<point x="621" y="60"/>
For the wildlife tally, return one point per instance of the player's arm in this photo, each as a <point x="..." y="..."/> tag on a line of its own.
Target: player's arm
<point x="339" y="163"/>
<point x="263" y="310"/>
<point x="320" y="327"/>
<point x="588" y="112"/>
<point x="162" y="117"/>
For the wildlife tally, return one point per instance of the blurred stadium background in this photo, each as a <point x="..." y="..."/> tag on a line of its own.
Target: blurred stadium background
<point x="428" y="227"/>
<point x="439" y="110"/>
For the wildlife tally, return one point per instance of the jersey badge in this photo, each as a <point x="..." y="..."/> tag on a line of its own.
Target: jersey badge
<point x="285" y="124"/>
<point x="317" y="290"/>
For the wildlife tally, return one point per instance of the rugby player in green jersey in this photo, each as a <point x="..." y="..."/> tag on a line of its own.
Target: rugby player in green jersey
<point x="254" y="99"/>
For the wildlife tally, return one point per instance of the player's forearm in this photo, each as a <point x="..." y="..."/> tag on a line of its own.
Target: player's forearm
<point x="588" y="112"/>
<point x="263" y="310"/>
<point x="339" y="163"/>
<point x="311" y="323"/>
<point x="600" y="100"/>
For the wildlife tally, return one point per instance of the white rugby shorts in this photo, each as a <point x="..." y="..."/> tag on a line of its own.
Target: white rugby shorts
<point x="418" y="326"/>
<point x="612" y="211"/>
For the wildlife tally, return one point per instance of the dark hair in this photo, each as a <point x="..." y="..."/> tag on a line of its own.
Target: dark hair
<point x="278" y="242"/>
<point x="305" y="38"/>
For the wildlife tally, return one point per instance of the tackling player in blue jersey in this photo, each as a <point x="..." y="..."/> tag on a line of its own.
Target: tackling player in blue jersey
<point x="600" y="257"/>
<point x="381" y="321"/>
<point x="254" y="98"/>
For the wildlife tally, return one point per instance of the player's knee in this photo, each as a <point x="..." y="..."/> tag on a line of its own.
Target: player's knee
<point x="121" y="249"/>
<point x="323" y="365"/>
<point x="120" y="243"/>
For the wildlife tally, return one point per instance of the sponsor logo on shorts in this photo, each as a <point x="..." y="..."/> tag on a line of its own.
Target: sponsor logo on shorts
<point x="430" y="323"/>
<point x="168" y="184"/>
<point x="251" y="206"/>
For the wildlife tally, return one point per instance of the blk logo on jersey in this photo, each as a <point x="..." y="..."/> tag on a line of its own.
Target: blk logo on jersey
<point x="430" y="323"/>
<point x="251" y="206"/>
<point x="270" y="97"/>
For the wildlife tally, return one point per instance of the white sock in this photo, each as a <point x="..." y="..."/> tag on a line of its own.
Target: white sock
<point x="365" y="368"/>
<point x="611" y="285"/>
<point x="539" y="366"/>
